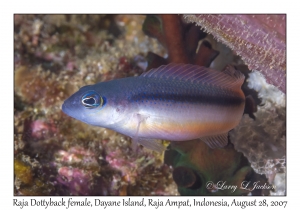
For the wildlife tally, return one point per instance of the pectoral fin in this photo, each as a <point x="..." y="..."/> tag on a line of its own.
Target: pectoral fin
<point x="152" y="144"/>
<point x="135" y="139"/>
<point x="149" y="143"/>
<point x="217" y="141"/>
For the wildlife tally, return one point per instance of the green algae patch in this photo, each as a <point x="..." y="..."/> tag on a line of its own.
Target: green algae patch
<point x="23" y="172"/>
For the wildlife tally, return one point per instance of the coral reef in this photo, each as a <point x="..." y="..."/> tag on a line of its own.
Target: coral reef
<point x="55" y="55"/>
<point x="258" y="39"/>
<point x="261" y="132"/>
<point x="263" y="140"/>
<point x="182" y="48"/>
<point x="200" y="170"/>
<point x="55" y="155"/>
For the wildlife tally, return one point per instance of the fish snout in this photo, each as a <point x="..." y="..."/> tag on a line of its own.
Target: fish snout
<point x="64" y="108"/>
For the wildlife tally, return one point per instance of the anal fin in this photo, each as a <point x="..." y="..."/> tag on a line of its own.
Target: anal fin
<point x="217" y="141"/>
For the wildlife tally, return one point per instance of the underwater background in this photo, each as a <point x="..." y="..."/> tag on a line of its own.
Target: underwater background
<point x="55" y="55"/>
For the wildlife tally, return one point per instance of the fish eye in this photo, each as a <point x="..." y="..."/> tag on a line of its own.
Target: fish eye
<point x="92" y="100"/>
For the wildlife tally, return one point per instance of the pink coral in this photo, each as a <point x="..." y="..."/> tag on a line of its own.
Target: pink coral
<point x="40" y="129"/>
<point x="77" y="155"/>
<point x="258" y="39"/>
<point x="78" y="181"/>
<point x="81" y="175"/>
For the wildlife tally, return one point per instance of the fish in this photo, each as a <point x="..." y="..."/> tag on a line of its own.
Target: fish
<point x="175" y="102"/>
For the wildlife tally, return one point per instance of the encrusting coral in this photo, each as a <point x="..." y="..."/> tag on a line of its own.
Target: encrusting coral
<point x="259" y="39"/>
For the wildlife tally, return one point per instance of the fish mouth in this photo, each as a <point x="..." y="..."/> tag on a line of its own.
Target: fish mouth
<point x="71" y="110"/>
<point x="65" y="108"/>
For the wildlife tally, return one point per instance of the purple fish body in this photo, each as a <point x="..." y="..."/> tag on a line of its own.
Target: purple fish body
<point x="176" y="102"/>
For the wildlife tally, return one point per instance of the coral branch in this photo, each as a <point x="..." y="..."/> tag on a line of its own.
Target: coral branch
<point x="174" y="38"/>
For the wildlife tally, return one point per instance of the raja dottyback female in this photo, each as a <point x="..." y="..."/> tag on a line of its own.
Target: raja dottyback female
<point x="175" y="102"/>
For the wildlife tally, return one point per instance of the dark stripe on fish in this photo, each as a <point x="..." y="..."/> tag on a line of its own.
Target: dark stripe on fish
<point x="184" y="98"/>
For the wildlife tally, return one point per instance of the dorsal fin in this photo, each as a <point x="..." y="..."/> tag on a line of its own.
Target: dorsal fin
<point x="229" y="78"/>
